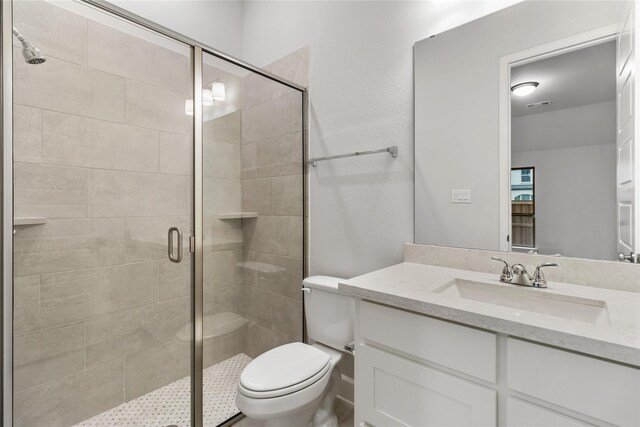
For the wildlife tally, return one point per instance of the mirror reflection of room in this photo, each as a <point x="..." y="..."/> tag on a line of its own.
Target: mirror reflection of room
<point x="563" y="115"/>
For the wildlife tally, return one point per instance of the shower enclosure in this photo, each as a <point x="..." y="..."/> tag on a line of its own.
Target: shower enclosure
<point x="152" y="221"/>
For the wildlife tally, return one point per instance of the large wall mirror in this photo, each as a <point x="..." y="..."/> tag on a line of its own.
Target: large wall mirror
<point x="524" y="125"/>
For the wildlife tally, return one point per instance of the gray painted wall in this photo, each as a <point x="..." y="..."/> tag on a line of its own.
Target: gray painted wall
<point x="361" y="87"/>
<point x="215" y="23"/>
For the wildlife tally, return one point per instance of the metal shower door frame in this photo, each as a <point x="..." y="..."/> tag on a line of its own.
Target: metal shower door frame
<point x="6" y="230"/>
<point x="6" y="164"/>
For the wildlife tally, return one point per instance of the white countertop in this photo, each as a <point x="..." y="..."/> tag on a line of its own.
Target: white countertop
<point x="410" y="287"/>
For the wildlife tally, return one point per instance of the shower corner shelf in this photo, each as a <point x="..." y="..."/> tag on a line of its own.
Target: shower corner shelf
<point x="238" y="215"/>
<point x="17" y="221"/>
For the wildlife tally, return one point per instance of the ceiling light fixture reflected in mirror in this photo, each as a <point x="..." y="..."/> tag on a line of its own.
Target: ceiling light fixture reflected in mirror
<point x="524" y="89"/>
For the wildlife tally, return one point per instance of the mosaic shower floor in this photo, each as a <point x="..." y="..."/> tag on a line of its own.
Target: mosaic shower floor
<point x="170" y="405"/>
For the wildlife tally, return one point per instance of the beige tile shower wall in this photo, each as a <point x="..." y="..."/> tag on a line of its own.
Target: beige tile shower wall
<point x="272" y="185"/>
<point x="102" y="150"/>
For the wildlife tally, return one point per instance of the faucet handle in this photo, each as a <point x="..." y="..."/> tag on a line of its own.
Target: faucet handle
<point x="538" y="277"/>
<point x="506" y="275"/>
<point x="496" y="258"/>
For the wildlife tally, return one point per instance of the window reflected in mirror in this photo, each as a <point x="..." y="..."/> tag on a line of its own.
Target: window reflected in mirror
<point x="523" y="208"/>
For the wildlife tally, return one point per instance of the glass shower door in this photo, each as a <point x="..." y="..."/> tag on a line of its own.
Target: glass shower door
<point x="102" y="170"/>
<point x="253" y="224"/>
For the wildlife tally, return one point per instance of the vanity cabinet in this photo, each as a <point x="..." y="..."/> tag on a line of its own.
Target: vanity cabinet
<point x="416" y="370"/>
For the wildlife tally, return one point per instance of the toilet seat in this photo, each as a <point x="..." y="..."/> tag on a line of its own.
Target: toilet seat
<point x="284" y="370"/>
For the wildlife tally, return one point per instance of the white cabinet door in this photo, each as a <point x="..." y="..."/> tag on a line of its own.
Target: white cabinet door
<point x="394" y="391"/>
<point x="596" y="388"/>
<point x="526" y="414"/>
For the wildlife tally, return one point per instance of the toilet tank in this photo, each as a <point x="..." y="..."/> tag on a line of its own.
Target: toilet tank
<point x="329" y="314"/>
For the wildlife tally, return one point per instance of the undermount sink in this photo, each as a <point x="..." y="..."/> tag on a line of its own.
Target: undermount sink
<point x="529" y="299"/>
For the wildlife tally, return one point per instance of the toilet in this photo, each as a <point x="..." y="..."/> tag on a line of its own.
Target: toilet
<point x="295" y="385"/>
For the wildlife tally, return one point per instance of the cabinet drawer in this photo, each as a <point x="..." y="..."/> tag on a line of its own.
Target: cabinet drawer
<point x="600" y="389"/>
<point x="394" y="391"/>
<point x="526" y="414"/>
<point x="430" y="339"/>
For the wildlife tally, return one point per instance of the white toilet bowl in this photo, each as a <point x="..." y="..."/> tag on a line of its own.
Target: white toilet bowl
<point x="293" y="385"/>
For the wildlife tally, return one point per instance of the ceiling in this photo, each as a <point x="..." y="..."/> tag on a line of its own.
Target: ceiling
<point x="583" y="77"/>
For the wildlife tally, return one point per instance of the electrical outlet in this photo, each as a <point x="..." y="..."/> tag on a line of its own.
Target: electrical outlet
<point x="460" y="196"/>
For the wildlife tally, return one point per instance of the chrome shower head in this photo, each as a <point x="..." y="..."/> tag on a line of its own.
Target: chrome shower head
<point x="32" y="54"/>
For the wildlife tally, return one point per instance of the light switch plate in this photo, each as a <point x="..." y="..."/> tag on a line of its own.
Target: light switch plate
<point x="460" y="196"/>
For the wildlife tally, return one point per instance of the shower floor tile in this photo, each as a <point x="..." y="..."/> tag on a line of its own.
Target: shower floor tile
<point x="170" y="405"/>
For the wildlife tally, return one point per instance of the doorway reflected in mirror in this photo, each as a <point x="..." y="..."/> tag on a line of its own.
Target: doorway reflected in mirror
<point x="565" y="130"/>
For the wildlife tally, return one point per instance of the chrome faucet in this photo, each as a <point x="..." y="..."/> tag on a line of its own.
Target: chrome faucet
<point x="518" y="274"/>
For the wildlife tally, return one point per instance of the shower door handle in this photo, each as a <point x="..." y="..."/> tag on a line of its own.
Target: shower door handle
<point x="170" y="246"/>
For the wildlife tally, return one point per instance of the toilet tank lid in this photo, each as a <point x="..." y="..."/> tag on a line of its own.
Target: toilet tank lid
<point x="325" y="283"/>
